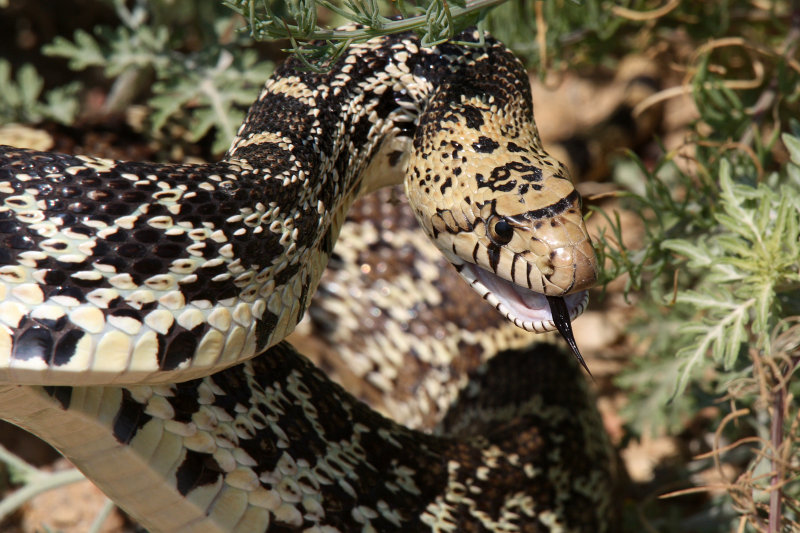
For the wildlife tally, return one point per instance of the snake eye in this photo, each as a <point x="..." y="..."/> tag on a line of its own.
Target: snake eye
<point x="500" y="231"/>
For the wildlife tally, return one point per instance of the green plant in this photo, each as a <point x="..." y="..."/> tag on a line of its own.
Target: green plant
<point x="731" y="249"/>
<point x="720" y="271"/>
<point x="435" y="20"/>
<point x="24" y="101"/>
<point x="205" y="88"/>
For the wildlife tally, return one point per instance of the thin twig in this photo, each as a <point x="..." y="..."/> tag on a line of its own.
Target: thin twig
<point x="208" y="88"/>
<point x="640" y="16"/>
<point x="35" y="481"/>
<point x="39" y="484"/>
<point x="776" y="435"/>
<point x="101" y="517"/>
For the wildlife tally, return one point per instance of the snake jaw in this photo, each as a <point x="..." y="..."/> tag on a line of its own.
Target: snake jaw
<point x="527" y="309"/>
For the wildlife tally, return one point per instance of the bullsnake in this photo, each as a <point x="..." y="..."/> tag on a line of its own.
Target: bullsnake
<point x="124" y="283"/>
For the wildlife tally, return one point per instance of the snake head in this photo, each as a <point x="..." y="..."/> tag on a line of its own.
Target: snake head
<point x="510" y="222"/>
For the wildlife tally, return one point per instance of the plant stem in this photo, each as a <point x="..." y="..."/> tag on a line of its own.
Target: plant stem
<point x="20" y="469"/>
<point x="39" y="484"/>
<point x="776" y="435"/>
<point x="208" y="87"/>
<point x="101" y="517"/>
<point x="35" y="481"/>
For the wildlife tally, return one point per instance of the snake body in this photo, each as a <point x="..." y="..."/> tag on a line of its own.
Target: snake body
<point x="388" y="320"/>
<point x="141" y="278"/>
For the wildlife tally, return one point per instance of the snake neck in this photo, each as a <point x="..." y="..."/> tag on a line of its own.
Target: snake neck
<point x="349" y="131"/>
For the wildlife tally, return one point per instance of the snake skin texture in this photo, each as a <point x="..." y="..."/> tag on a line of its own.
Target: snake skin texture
<point x="134" y="297"/>
<point x="391" y="321"/>
<point x="273" y="445"/>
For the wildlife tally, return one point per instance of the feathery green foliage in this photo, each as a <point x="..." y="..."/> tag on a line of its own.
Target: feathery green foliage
<point x="717" y="275"/>
<point x="298" y="21"/>
<point x="22" y="97"/>
<point x="206" y="88"/>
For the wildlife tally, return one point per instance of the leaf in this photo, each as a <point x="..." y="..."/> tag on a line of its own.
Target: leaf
<point x="735" y="245"/>
<point x="736" y="335"/>
<point x="22" y="97"/>
<point x="83" y="53"/>
<point x="792" y="144"/>
<point x="165" y="104"/>
<point x="723" y="272"/>
<point x="721" y="334"/>
<point x="690" y="358"/>
<point x="736" y="218"/>
<point x="11" y="95"/>
<point x="705" y="300"/>
<point x="62" y="103"/>
<point x="698" y="256"/>
<point x="30" y="85"/>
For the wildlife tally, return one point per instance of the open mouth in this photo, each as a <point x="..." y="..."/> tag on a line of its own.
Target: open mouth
<point x="527" y="309"/>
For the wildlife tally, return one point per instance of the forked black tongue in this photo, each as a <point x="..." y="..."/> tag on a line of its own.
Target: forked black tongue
<point x="558" y="308"/>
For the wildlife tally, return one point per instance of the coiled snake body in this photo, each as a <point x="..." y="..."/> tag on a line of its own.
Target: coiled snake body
<point x="140" y="277"/>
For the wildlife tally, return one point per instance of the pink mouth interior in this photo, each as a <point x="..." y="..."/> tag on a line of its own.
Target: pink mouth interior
<point x="526" y="308"/>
